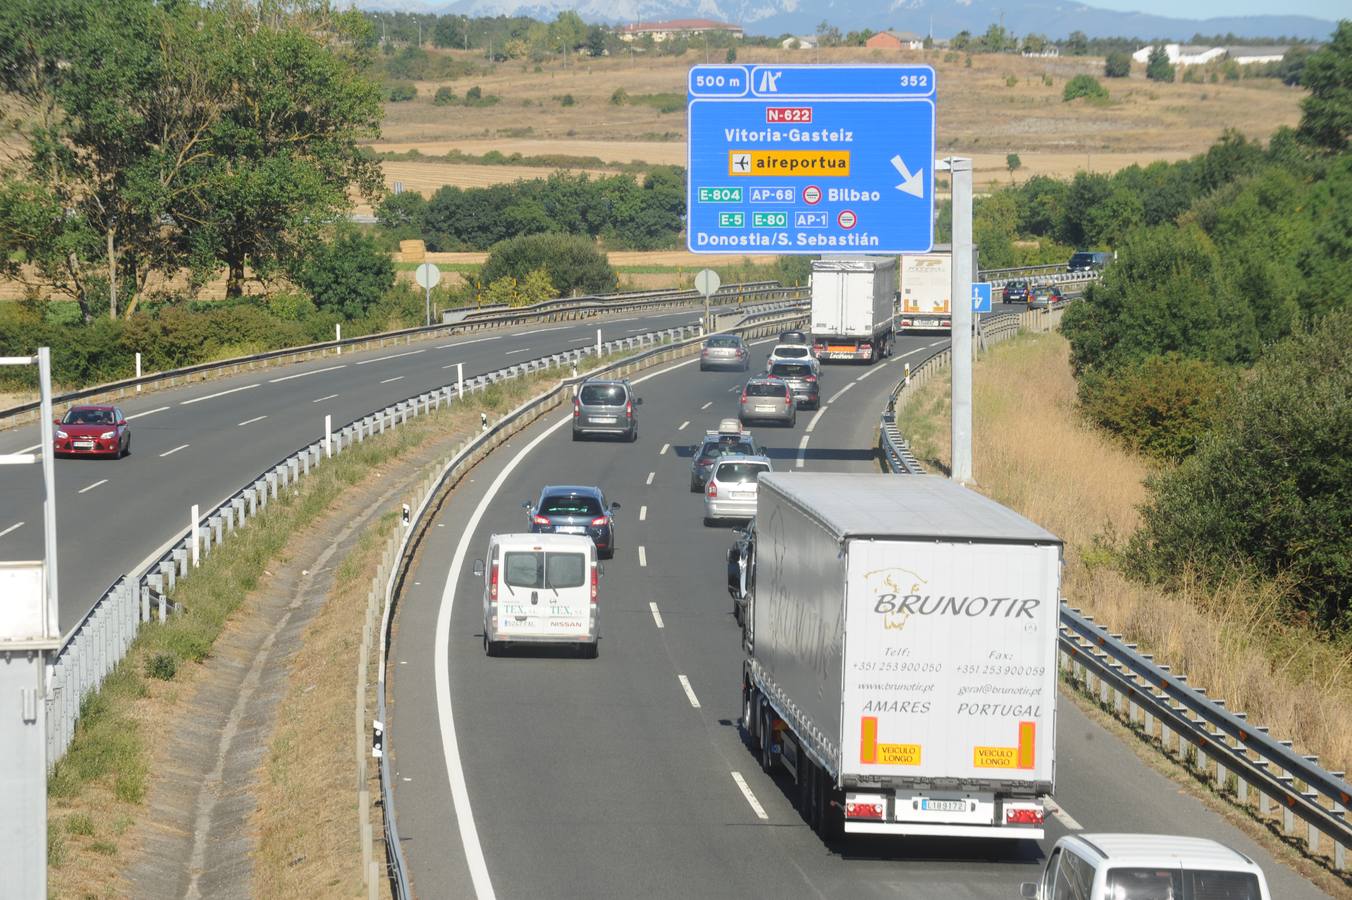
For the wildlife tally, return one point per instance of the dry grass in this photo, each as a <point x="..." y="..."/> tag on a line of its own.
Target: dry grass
<point x="1034" y="454"/>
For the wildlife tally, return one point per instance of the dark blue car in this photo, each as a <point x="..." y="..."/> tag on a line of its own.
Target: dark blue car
<point x="575" y="509"/>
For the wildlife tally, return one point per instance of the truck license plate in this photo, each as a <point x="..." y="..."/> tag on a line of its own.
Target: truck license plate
<point x="944" y="805"/>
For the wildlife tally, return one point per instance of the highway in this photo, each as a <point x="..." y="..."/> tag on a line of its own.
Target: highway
<point x="201" y="442"/>
<point x="625" y="776"/>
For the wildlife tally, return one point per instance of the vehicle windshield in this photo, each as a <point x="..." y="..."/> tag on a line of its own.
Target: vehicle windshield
<point x="1180" y="884"/>
<point x="1082" y="259"/>
<point x="537" y="570"/>
<point x="722" y="342"/>
<point x="740" y="472"/>
<point x="791" y="370"/>
<point x="1016" y="285"/>
<point x="88" y="417"/>
<point x="570" y="506"/>
<point x="764" y="389"/>
<point x="602" y="394"/>
<point x="791" y="352"/>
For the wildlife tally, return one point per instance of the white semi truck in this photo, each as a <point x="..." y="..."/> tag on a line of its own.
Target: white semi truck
<point x="853" y="302"/>
<point x="926" y="283"/>
<point x="900" y="638"/>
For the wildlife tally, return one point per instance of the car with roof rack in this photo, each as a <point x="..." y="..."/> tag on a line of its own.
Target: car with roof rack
<point x="727" y="439"/>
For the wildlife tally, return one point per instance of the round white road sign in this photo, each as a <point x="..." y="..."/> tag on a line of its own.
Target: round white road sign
<point x="427" y="276"/>
<point x="707" y="282"/>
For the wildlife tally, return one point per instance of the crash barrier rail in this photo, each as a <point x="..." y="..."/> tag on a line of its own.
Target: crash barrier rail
<point x="1240" y="759"/>
<point x="399" y="552"/>
<point x="754" y="293"/>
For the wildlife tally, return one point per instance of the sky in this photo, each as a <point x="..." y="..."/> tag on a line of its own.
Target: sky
<point x="1210" y="9"/>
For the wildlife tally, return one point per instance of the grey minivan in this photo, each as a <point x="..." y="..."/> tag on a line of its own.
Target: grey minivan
<point x="605" y="407"/>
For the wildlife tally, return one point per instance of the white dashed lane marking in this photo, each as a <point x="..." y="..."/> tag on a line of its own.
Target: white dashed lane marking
<point x="322" y="399"/>
<point x="642" y="556"/>
<point x="173" y="451"/>
<point x="15" y="527"/>
<point x="250" y="421"/>
<point x="395" y="378"/>
<point x="91" y="487"/>
<point x="217" y="394"/>
<point x="365" y="362"/>
<point x="642" y="513"/>
<point x="305" y="374"/>
<point x="689" y="691"/>
<point x="149" y="412"/>
<point x="657" y="616"/>
<point x="750" y="797"/>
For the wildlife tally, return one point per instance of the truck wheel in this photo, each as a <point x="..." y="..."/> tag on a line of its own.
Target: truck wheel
<point x="767" y="739"/>
<point x="805" y="780"/>
<point x="749" y="714"/>
<point x="831" y="817"/>
<point x="737" y="612"/>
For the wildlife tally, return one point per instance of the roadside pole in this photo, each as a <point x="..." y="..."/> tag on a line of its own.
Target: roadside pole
<point x="960" y="172"/>
<point x="427" y="276"/>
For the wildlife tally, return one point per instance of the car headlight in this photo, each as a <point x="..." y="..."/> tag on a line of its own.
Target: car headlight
<point x="108" y="435"/>
<point x="62" y="435"/>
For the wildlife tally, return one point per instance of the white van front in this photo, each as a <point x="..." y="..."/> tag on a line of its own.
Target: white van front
<point x="541" y="588"/>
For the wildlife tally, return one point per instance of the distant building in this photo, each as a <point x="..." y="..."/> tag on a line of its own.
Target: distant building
<point x="676" y="28"/>
<point x="1247" y="56"/>
<point x="1051" y="50"/>
<point x="802" y="42"/>
<point x="1182" y="54"/>
<point x="895" y="40"/>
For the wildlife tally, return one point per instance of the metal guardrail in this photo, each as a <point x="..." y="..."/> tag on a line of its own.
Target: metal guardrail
<point x="1238" y="757"/>
<point x="451" y="473"/>
<point x="549" y="310"/>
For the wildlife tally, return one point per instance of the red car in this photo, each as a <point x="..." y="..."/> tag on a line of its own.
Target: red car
<point x="92" y="431"/>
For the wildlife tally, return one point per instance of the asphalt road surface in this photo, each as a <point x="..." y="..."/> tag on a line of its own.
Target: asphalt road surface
<point x="539" y="774"/>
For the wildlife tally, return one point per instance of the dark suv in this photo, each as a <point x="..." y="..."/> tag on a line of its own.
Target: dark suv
<point x="802" y="380"/>
<point x="575" y="509"/>
<point x="605" y="407"/>
<point x="1015" y="292"/>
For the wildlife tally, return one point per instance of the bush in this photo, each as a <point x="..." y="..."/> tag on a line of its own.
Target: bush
<point x="444" y="97"/>
<point x="347" y="275"/>
<point x="571" y="262"/>
<point x="1084" y="86"/>
<point x="1161" y="406"/>
<point x="1117" y="64"/>
<point x="1270" y="487"/>
<point x="567" y="100"/>
<point x="401" y="92"/>
<point x="290" y="306"/>
<point x="620" y="97"/>
<point x="163" y="666"/>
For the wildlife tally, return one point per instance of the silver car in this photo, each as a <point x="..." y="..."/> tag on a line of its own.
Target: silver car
<point x="724" y="351"/>
<point x="768" y="399"/>
<point x="605" y="407"/>
<point x="733" y="486"/>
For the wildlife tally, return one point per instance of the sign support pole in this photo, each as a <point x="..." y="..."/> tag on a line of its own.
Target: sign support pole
<point x="960" y="170"/>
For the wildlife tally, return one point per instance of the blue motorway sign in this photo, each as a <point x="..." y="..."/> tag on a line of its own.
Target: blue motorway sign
<point x="981" y="296"/>
<point x="810" y="159"/>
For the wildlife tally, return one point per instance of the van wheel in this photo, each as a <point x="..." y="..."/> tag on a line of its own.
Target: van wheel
<point x="737" y="612"/>
<point x="633" y="434"/>
<point x="492" y="648"/>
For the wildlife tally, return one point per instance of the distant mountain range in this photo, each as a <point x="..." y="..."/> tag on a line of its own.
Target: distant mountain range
<point x="943" y="18"/>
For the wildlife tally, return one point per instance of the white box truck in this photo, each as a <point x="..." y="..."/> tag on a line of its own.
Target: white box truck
<point x="853" y="302"/>
<point x="900" y="638"/>
<point x="926" y="283"/>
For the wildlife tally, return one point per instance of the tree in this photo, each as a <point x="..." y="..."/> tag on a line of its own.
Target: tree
<point x="1158" y="67"/>
<point x="1077" y="44"/>
<point x="405" y="212"/>
<point x="1012" y="163"/>
<point x="961" y="41"/>
<point x="731" y="56"/>
<point x="1326" y="115"/>
<point x="572" y="262"/>
<point x="346" y="275"/>
<point x="596" y="41"/>
<point x="450" y="31"/>
<point x="1034" y="43"/>
<point x="1117" y="64"/>
<point x="996" y="39"/>
<point x="828" y="35"/>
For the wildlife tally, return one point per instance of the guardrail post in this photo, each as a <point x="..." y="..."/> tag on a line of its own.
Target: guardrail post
<point x="195" y="535"/>
<point x="144" y="591"/>
<point x="250" y="499"/>
<point x="138" y="369"/>
<point x="1339" y="849"/>
<point x="180" y="562"/>
<point x="1288" y="818"/>
<point x="237" y="505"/>
<point x="328" y="435"/>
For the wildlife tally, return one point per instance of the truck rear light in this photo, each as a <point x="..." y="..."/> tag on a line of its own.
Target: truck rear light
<point x="493" y="583"/>
<point x="1024" y="816"/>
<point x="594" y="584"/>
<point x="599" y="521"/>
<point x="539" y="520"/>
<point x="864" y="811"/>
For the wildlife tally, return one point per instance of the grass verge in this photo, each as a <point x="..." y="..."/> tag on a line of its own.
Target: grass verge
<point x="1034" y="453"/>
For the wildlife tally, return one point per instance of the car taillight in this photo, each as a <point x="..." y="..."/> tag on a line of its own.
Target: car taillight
<point x="712" y="490"/>
<point x="743" y="396"/>
<point x="493" y="583"/>
<point x="629" y="409"/>
<point x="594" y="585"/>
<point x="577" y="408"/>
<point x="788" y="396"/>
<point x="539" y="520"/>
<point x="1024" y="816"/>
<point x="811" y="378"/>
<point x="599" y="521"/>
<point x="863" y="810"/>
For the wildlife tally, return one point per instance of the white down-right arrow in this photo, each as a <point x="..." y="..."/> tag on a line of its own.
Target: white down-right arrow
<point x="910" y="184"/>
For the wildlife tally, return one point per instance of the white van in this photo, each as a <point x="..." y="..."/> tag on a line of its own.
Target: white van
<point x="541" y="588"/>
<point x="1146" y="867"/>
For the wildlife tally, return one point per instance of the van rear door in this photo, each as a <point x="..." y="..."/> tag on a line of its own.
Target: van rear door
<point x="544" y="594"/>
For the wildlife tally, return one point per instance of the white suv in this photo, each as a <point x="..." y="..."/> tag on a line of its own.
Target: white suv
<point x="1146" y="867"/>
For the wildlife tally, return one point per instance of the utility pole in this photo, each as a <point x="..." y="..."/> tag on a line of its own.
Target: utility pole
<point x="960" y="292"/>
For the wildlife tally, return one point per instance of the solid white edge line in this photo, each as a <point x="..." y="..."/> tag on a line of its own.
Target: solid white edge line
<point x="813" y="423"/>
<point x="642" y="513"/>
<point x="469" y="835"/>
<point x="802" y="451"/>
<point x="391" y="356"/>
<point x="250" y="421"/>
<point x="750" y="797"/>
<point x="642" y="556"/>
<point x="149" y="412"/>
<point x="217" y="394"/>
<point x="836" y="396"/>
<point x="689" y="691"/>
<point x="175" y="450"/>
<point x="17" y="525"/>
<point x="304" y="374"/>
<point x="91" y="487"/>
<point x="29" y="449"/>
<point x="657" y="616"/>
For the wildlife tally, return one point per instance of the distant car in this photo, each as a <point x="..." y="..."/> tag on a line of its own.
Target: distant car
<point x="92" y="431"/>
<point x="802" y="378"/>
<point x="574" y="509"/>
<point x="724" y="351"/>
<point x="795" y="336"/>
<point x="732" y="487"/>
<point x="1015" y="292"/>
<point x="605" y="407"/>
<point x="1088" y="866"/>
<point x="1045" y="297"/>
<point x="768" y="399"/>
<point x="790" y="353"/>
<point x="729" y="438"/>
<point x="1088" y="261"/>
<point x="541" y="589"/>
